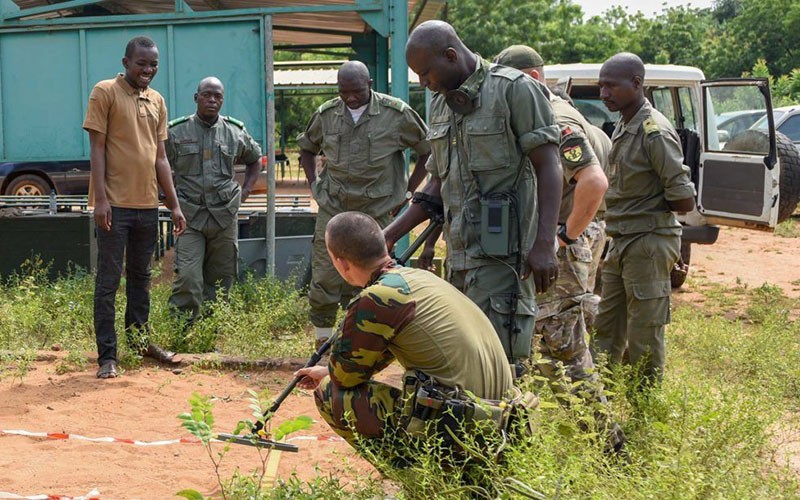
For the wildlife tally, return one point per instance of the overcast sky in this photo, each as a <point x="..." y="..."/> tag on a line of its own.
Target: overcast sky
<point x="648" y="7"/>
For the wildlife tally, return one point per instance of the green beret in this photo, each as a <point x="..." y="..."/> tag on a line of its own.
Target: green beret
<point x="519" y="56"/>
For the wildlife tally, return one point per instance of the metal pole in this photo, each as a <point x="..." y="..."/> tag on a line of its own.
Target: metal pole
<point x="269" y="131"/>
<point x="398" y="22"/>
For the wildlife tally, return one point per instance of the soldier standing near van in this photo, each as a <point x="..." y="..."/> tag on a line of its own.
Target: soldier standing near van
<point x="203" y="149"/>
<point x="127" y="125"/>
<point x="564" y="311"/>
<point x="363" y="135"/>
<point x="648" y="182"/>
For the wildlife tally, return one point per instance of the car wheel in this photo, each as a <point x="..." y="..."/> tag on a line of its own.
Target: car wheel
<point x="752" y="140"/>
<point x="28" y="185"/>
<point x="681" y="268"/>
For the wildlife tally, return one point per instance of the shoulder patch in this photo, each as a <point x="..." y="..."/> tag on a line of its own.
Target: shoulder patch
<point x="505" y="72"/>
<point x="393" y="102"/>
<point x="331" y="103"/>
<point x="650" y="127"/>
<point x="178" y="121"/>
<point x="233" y="120"/>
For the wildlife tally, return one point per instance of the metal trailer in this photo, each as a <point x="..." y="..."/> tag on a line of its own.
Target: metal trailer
<point x="51" y="54"/>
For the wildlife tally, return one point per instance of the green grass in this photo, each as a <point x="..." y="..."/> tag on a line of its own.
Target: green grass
<point x="730" y="397"/>
<point x="263" y="318"/>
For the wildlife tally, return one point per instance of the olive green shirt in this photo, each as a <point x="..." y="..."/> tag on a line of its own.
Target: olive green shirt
<point x="203" y="157"/>
<point x="575" y="151"/>
<point x="426" y="324"/>
<point x="485" y="154"/>
<point x="366" y="168"/>
<point x="647" y="169"/>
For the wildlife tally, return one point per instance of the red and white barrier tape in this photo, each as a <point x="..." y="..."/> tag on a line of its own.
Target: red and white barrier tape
<point x="92" y="495"/>
<point x="185" y="440"/>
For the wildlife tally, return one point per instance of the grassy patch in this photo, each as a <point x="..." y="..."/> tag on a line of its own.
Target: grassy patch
<point x="716" y="428"/>
<point x="790" y="228"/>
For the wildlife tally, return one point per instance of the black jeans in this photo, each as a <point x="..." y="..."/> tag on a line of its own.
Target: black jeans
<point x="133" y="235"/>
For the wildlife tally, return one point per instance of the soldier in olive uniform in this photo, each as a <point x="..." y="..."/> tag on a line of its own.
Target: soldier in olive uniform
<point x="402" y="314"/>
<point x="495" y="170"/>
<point x="363" y="135"/>
<point x="648" y="182"/>
<point x="564" y="311"/>
<point x="202" y="150"/>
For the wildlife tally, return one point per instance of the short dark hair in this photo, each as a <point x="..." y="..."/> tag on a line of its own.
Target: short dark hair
<point x="356" y="237"/>
<point x="139" y="41"/>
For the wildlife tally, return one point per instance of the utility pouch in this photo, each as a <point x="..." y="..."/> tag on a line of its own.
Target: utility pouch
<point x="495" y="225"/>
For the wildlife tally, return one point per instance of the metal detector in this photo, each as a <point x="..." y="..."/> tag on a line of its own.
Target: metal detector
<point x="253" y="439"/>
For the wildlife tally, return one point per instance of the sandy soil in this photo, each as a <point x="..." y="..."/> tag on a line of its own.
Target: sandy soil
<point x="143" y="404"/>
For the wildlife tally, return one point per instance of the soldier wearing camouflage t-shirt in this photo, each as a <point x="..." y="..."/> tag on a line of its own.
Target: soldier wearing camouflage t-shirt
<point x="363" y="135"/>
<point x="402" y="314"/>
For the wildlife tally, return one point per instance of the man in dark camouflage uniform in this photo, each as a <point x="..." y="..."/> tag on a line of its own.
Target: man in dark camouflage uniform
<point x="402" y="314"/>
<point x="561" y="324"/>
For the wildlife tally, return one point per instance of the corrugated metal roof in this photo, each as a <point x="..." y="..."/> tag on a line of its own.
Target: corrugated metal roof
<point x="294" y="29"/>
<point x="317" y="77"/>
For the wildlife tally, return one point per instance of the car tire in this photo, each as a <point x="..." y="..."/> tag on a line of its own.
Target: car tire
<point x="756" y="140"/>
<point x="28" y="185"/>
<point x="680" y="270"/>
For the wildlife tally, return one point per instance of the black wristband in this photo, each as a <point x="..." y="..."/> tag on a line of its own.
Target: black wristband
<point x="562" y="235"/>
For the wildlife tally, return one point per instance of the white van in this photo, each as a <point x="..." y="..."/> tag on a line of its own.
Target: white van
<point x="750" y="179"/>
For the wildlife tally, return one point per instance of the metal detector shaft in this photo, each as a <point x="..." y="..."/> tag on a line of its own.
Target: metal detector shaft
<point x="432" y="226"/>
<point x="314" y="359"/>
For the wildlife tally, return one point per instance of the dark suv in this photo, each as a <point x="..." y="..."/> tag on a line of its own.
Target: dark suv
<point x="37" y="178"/>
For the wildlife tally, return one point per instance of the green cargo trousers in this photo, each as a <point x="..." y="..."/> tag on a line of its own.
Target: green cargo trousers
<point x="328" y="290"/>
<point x="491" y="287"/>
<point x="203" y="260"/>
<point x="635" y="300"/>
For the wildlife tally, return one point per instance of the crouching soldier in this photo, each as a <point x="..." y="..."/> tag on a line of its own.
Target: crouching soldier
<point x="444" y="342"/>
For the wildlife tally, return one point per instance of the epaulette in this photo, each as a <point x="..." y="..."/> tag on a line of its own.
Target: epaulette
<point x="393" y="102"/>
<point x="233" y="120"/>
<point x="505" y="72"/>
<point x="650" y="127"/>
<point x="177" y="121"/>
<point x="331" y="103"/>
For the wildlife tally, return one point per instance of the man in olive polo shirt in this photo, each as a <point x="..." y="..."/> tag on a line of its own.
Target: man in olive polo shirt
<point x="363" y="135"/>
<point x="127" y="125"/>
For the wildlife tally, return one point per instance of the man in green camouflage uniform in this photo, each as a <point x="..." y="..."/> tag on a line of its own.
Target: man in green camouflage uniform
<point x="565" y="310"/>
<point x="363" y="135"/>
<point x="495" y="170"/>
<point x="648" y="182"/>
<point x="202" y="150"/>
<point x="402" y="314"/>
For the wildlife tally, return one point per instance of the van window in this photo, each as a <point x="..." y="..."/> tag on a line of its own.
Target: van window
<point x="662" y="101"/>
<point x="791" y="127"/>
<point x="688" y="108"/>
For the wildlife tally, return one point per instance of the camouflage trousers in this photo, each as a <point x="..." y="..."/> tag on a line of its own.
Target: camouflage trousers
<point x="561" y="335"/>
<point x="595" y="233"/>
<point x="328" y="289"/>
<point x="370" y="409"/>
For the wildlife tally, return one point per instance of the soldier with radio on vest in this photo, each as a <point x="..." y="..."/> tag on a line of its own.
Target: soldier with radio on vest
<point x="203" y="149"/>
<point x="363" y="135"/>
<point x="455" y="365"/>
<point x="495" y="174"/>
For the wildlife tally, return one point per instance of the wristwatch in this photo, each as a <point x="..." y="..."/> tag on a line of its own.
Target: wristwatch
<point x="562" y="235"/>
<point x="409" y="195"/>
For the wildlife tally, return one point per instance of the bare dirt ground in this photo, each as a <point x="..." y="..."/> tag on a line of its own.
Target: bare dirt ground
<point x="142" y="405"/>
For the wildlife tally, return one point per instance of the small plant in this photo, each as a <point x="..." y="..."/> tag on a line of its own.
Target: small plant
<point x="200" y="423"/>
<point x="75" y="361"/>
